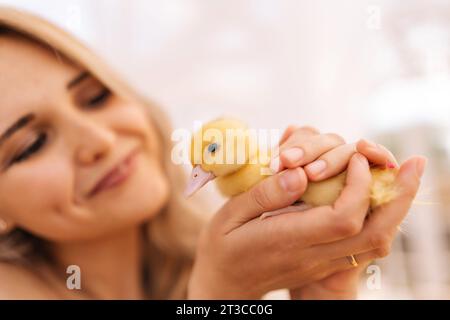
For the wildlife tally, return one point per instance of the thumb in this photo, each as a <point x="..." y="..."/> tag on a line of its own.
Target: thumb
<point x="275" y="192"/>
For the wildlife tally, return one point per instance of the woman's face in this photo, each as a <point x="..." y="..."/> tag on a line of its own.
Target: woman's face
<point x="61" y="133"/>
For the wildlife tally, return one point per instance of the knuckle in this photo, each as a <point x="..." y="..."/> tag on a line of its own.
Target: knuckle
<point x="307" y="265"/>
<point x="291" y="128"/>
<point x="320" y="275"/>
<point x="383" y="251"/>
<point x="335" y="137"/>
<point x="348" y="227"/>
<point x="308" y="129"/>
<point x="288" y="132"/>
<point x="260" y="197"/>
<point x="345" y="226"/>
<point x="379" y="240"/>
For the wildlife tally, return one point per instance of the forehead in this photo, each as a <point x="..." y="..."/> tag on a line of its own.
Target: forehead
<point x="29" y="75"/>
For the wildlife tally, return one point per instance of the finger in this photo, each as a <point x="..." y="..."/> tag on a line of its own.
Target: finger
<point x="334" y="273"/>
<point x="334" y="161"/>
<point x="299" y="150"/>
<point x="330" y="163"/>
<point x="287" y="133"/>
<point x="275" y="192"/>
<point x="376" y="153"/>
<point x="330" y="223"/>
<point x="407" y="184"/>
<point x="297" y="133"/>
<point x="381" y="227"/>
<point x="362" y="260"/>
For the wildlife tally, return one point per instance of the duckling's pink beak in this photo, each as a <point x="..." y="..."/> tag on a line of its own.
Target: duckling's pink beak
<point x="199" y="178"/>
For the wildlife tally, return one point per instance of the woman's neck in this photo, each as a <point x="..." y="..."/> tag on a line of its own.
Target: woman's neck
<point x="110" y="267"/>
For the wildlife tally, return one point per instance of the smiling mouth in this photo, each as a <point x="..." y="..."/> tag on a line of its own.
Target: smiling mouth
<point x="117" y="175"/>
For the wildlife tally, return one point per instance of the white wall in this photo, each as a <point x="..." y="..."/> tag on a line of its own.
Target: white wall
<point x="269" y="62"/>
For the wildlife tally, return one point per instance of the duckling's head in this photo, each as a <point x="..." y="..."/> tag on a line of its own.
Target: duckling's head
<point x="218" y="148"/>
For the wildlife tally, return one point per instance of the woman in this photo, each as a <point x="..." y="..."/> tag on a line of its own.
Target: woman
<point x="86" y="181"/>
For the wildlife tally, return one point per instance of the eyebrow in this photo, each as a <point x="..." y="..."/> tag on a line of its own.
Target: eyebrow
<point x="83" y="75"/>
<point x="22" y="122"/>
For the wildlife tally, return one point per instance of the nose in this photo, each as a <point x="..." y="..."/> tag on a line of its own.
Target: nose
<point x="94" y="140"/>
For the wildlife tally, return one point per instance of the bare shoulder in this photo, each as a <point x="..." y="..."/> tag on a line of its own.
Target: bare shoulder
<point x="17" y="282"/>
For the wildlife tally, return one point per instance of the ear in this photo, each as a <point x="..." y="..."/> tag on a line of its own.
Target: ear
<point x="6" y="225"/>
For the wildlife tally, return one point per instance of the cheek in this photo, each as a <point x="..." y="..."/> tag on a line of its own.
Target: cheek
<point x="134" y="119"/>
<point x="37" y="194"/>
<point x="137" y="200"/>
<point x="128" y="116"/>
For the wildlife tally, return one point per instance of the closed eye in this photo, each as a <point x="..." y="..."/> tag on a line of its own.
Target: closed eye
<point x="90" y="93"/>
<point x="99" y="99"/>
<point x="32" y="149"/>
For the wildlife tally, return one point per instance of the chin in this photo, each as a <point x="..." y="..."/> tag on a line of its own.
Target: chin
<point x="139" y="201"/>
<point x="136" y="204"/>
<point x="149" y="201"/>
<point x="143" y="199"/>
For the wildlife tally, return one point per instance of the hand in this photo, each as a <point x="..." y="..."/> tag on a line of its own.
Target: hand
<point x="379" y="229"/>
<point x="241" y="256"/>
<point x="342" y="285"/>
<point x="324" y="155"/>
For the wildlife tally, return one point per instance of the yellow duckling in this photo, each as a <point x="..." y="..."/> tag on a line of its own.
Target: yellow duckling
<point x="225" y="150"/>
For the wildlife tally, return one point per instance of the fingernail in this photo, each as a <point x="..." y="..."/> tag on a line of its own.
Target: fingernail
<point x="275" y="164"/>
<point x="390" y="165"/>
<point x="290" y="180"/>
<point x="420" y="166"/>
<point x="317" y="167"/>
<point x="293" y="155"/>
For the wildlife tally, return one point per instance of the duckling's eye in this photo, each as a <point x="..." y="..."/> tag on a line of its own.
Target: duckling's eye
<point x="213" y="147"/>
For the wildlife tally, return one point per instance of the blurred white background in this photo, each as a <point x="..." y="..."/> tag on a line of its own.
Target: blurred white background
<point x="377" y="69"/>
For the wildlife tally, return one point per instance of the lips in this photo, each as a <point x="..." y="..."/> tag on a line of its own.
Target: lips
<point x="116" y="175"/>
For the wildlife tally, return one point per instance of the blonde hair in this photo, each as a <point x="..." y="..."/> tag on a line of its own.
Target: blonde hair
<point x="173" y="233"/>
